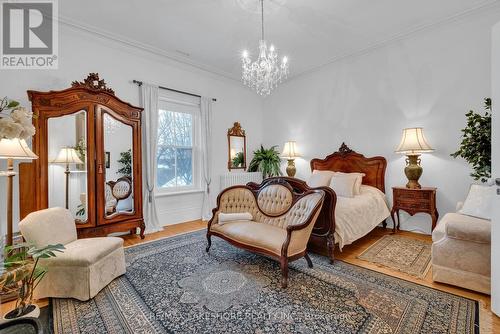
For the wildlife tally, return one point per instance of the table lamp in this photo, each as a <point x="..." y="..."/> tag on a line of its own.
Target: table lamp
<point x="413" y="144"/>
<point x="67" y="156"/>
<point x="290" y="153"/>
<point x="13" y="149"/>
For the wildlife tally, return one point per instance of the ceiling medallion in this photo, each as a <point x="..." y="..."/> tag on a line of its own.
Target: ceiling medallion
<point x="264" y="74"/>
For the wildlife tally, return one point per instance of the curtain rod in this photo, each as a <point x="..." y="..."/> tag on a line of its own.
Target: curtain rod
<point x="139" y="83"/>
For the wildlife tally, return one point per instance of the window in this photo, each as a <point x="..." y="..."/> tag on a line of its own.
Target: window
<point x="177" y="153"/>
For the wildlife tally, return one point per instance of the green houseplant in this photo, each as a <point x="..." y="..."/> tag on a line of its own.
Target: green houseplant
<point x="22" y="272"/>
<point x="266" y="161"/>
<point x="475" y="147"/>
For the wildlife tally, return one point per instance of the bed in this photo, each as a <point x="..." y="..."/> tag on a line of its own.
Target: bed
<point x="344" y="220"/>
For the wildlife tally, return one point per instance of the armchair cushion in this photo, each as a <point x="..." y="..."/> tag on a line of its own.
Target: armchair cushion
<point x="476" y="231"/>
<point x="467" y="224"/>
<point x="49" y="226"/>
<point x="85" y="252"/>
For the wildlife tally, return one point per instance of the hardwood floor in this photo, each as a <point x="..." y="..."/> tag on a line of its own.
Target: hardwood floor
<point x="489" y="322"/>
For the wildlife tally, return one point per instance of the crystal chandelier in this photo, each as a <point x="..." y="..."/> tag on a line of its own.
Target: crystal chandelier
<point x="264" y="74"/>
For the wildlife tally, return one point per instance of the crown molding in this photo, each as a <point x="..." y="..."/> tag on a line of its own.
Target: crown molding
<point x="488" y="4"/>
<point x="146" y="48"/>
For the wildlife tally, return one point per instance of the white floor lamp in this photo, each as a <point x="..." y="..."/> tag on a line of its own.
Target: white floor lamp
<point x="13" y="149"/>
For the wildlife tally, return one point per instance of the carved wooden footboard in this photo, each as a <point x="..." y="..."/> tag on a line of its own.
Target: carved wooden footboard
<point x="347" y="161"/>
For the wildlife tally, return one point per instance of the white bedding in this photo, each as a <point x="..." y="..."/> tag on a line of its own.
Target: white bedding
<point x="355" y="217"/>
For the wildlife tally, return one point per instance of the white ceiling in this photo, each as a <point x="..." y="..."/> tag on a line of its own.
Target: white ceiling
<point x="212" y="33"/>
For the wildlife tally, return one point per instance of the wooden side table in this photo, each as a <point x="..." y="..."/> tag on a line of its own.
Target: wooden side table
<point x="414" y="201"/>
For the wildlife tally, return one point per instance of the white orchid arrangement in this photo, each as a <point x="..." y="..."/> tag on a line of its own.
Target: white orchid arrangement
<point x="15" y="121"/>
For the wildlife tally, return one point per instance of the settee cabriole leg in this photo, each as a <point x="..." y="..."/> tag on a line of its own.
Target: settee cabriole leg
<point x="209" y="242"/>
<point x="331" y="248"/>
<point x="308" y="259"/>
<point x="284" y="273"/>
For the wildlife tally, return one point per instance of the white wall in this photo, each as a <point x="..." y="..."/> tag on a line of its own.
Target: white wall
<point x="430" y="79"/>
<point x="82" y="52"/>
<point x="495" y="226"/>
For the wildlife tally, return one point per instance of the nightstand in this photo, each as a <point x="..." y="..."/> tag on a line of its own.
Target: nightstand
<point x="414" y="201"/>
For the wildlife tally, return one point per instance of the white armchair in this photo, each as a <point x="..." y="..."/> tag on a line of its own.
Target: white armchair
<point x="85" y="267"/>
<point x="461" y="252"/>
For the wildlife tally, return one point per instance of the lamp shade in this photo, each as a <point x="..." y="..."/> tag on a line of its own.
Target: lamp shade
<point x="413" y="142"/>
<point x="15" y="149"/>
<point x="67" y="155"/>
<point x="290" y="150"/>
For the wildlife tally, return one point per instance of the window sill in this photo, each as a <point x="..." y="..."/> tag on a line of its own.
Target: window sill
<point x="179" y="193"/>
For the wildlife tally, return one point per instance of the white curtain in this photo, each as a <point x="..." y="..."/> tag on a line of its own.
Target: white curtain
<point x="149" y="98"/>
<point x="206" y="155"/>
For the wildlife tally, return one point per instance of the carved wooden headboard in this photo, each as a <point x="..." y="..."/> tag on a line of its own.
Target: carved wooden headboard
<point x="348" y="161"/>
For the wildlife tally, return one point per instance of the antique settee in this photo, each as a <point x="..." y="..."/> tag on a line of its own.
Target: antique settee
<point x="281" y="221"/>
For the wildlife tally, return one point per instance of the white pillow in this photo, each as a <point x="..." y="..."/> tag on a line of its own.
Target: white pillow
<point x="231" y="217"/>
<point x="359" y="181"/>
<point x="343" y="184"/>
<point x="478" y="202"/>
<point x="320" y="178"/>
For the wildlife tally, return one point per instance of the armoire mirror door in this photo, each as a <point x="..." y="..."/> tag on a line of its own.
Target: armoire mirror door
<point x="67" y="157"/>
<point x="116" y="166"/>
<point x="66" y="171"/>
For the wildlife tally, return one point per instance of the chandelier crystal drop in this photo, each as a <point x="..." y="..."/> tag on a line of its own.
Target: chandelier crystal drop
<point x="264" y="74"/>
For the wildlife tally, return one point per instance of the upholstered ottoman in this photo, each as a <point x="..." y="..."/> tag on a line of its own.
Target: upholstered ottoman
<point x="85" y="267"/>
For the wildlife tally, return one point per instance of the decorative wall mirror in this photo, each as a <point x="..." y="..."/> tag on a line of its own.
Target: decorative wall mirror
<point x="237" y="147"/>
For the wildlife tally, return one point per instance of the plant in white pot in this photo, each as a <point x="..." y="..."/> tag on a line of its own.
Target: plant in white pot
<point x="22" y="272"/>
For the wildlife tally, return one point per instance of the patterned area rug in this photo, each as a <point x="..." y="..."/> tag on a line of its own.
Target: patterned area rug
<point x="401" y="253"/>
<point x="173" y="286"/>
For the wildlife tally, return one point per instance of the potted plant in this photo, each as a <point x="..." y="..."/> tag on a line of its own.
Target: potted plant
<point x="266" y="161"/>
<point x="475" y="147"/>
<point x="22" y="272"/>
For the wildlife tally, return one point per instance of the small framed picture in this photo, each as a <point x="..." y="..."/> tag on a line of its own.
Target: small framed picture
<point x="107" y="159"/>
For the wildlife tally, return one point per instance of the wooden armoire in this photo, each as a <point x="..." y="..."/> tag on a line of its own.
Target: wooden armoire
<point x="89" y="146"/>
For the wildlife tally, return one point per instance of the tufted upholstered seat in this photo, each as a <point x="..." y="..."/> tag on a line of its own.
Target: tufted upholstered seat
<point x="282" y="221"/>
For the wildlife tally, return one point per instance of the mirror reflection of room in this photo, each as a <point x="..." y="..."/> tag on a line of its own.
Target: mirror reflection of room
<point x="68" y="163"/>
<point x="236" y="147"/>
<point x="118" y="166"/>
<point x="237" y="151"/>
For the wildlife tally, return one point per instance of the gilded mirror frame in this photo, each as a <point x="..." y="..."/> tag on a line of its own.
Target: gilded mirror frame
<point x="236" y="131"/>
